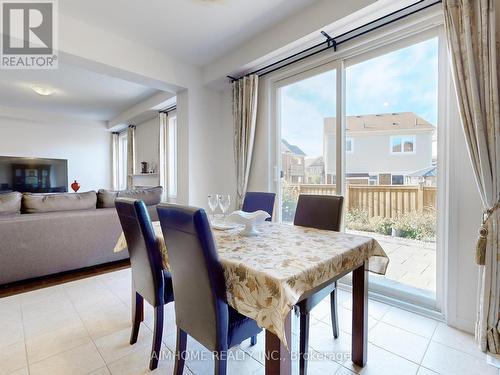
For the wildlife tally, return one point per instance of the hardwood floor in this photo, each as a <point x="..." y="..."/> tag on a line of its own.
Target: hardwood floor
<point x="23" y="286"/>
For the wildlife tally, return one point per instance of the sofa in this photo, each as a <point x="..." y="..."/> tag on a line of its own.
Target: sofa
<point x="44" y="234"/>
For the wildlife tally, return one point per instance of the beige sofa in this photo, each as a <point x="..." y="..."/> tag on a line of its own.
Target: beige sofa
<point x="61" y="232"/>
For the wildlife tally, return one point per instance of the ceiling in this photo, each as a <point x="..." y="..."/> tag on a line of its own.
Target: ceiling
<point x="77" y="92"/>
<point x="195" y="31"/>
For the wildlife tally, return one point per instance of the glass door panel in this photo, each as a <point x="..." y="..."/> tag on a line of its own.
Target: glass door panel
<point x="391" y="161"/>
<point x="306" y="109"/>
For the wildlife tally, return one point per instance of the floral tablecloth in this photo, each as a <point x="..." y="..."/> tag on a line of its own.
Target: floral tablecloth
<point x="266" y="275"/>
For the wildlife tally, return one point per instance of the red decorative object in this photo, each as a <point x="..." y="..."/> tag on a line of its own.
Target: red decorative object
<point x="75" y="186"/>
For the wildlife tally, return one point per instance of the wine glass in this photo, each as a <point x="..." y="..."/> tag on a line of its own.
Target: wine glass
<point x="224" y="202"/>
<point x="213" y="202"/>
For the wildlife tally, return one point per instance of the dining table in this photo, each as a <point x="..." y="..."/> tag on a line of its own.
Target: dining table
<point x="268" y="274"/>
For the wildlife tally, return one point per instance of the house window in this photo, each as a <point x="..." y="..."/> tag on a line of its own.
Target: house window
<point x="397" y="179"/>
<point x="122" y="161"/>
<point x="349" y="145"/>
<point x="403" y="144"/>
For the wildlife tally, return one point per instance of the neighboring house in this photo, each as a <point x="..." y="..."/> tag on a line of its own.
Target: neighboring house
<point x="292" y="163"/>
<point x="424" y="177"/>
<point x="384" y="147"/>
<point x="315" y="170"/>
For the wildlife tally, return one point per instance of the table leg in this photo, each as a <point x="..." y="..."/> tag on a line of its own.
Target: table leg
<point x="278" y="359"/>
<point x="359" y="315"/>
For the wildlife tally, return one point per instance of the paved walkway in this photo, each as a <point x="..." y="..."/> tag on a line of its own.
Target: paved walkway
<point x="412" y="262"/>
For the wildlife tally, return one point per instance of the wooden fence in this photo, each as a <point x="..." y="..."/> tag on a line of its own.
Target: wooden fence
<point x="379" y="200"/>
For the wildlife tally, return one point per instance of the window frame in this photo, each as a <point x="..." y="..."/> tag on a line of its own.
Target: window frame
<point x="122" y="174"/>
<point x="404" y="138"/>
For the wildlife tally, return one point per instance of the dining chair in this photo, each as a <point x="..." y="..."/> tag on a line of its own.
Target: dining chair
<point x="150" y="281"/>
<point x="255" y="201"/>
<point x="201" y="310"/>
<point x="320" y="212"/>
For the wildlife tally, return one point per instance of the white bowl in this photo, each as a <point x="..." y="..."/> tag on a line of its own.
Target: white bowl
<point x="249" y="220"/>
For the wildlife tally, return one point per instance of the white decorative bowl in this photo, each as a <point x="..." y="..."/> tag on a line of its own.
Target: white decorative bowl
<point x="249" y="220"/>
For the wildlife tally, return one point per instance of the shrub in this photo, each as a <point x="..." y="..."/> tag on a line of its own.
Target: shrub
<point x="417" y="225"/>
<point x="358" y="219"/>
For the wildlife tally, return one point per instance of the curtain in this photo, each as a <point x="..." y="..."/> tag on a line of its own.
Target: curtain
<point x="115" y="161"/>
<point x="130" y="156"/>
<point x="244" y="120"/>
<point x="162" y="150"/>
<point x="470" y="30"/>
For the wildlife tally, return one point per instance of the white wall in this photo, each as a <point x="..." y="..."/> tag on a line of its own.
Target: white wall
<point x="209" y="147"/>
<point x="88" y="149"/>
<point x="147" y="143"/>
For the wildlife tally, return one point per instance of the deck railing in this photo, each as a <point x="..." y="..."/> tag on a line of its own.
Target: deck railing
<point x="379" y="200"/>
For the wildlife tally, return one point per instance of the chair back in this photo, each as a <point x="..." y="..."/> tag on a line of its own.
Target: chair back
<point x="319" y="211"/>
<point x="255" y="201"/>
<point x="145" y="257"/>
<point x="197" y="276"/>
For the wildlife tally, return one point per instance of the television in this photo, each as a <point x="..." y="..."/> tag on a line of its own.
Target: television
<point x="33" y="175"/>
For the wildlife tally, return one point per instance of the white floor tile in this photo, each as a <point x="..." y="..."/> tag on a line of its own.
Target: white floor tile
<point x="447" y="361"/>
<point x="457" y="339"/>
<point x="101" y="371"/>
<point x="321" y="339"/>
<point x="21" y="371"/>
<point x="425" y="371"/>
<point x="410" y="322"/>
<point x="398" y="341"/>
<point x="81" y="360"/>
<point x="137" y="364"/>
<point x="382" y="362"/>
<point x="117" y="345"/>
<point x="41" y="321"/>
<point x="12" y="332"/>
<point x="106" y="320"/>
<point x="12" y="358"/>
<point x="56" y="341"/>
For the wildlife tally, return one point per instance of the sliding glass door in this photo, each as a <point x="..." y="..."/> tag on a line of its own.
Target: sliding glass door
<point x="368" y="131"/>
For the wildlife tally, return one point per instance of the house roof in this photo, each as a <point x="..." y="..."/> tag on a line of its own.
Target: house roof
<point x="315" y="162"/>
<point x="425" y="172"/>
<point x="381" y="122"/>
<point x="294" y="149"/>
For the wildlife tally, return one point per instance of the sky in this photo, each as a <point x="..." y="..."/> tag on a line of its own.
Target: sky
<point x="405" y="80"/>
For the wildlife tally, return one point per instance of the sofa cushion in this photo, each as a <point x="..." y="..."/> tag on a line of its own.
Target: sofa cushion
<point x="106" y="198"/>
<point x="10" y="203"/>
<point x="150" y="196"/>
<point x="39" y="203"/>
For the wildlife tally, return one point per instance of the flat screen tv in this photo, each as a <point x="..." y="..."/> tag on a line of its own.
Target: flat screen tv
<point x="33" y="175"/>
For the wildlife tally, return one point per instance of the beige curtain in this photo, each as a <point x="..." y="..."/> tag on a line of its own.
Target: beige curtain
<point x="470" y="30"/>
<point x="244" y="118"/>
<point x="162" y="149"/>
<point x="115" y="161"/>
<point x="130" y="156"/>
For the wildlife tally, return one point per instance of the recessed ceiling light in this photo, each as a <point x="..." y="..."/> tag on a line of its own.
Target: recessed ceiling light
<point x="42" y="90"/>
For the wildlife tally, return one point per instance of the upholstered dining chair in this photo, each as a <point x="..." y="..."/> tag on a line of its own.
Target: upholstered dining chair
<point x="150" y="281"/>
<point x="255" y="201"/>
<point x="201" y="309"/>
<point x="320" y="212"/>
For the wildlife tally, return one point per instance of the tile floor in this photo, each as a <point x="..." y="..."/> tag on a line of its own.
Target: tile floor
<point x="83" y="327"/>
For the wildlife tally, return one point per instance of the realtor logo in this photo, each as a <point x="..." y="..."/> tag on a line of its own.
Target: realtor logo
<point x="28" y="34"/>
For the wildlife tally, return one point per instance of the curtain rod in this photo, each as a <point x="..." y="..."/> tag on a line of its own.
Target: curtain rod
<point x="169" y="109"/>
<point x="334" y="42"/>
